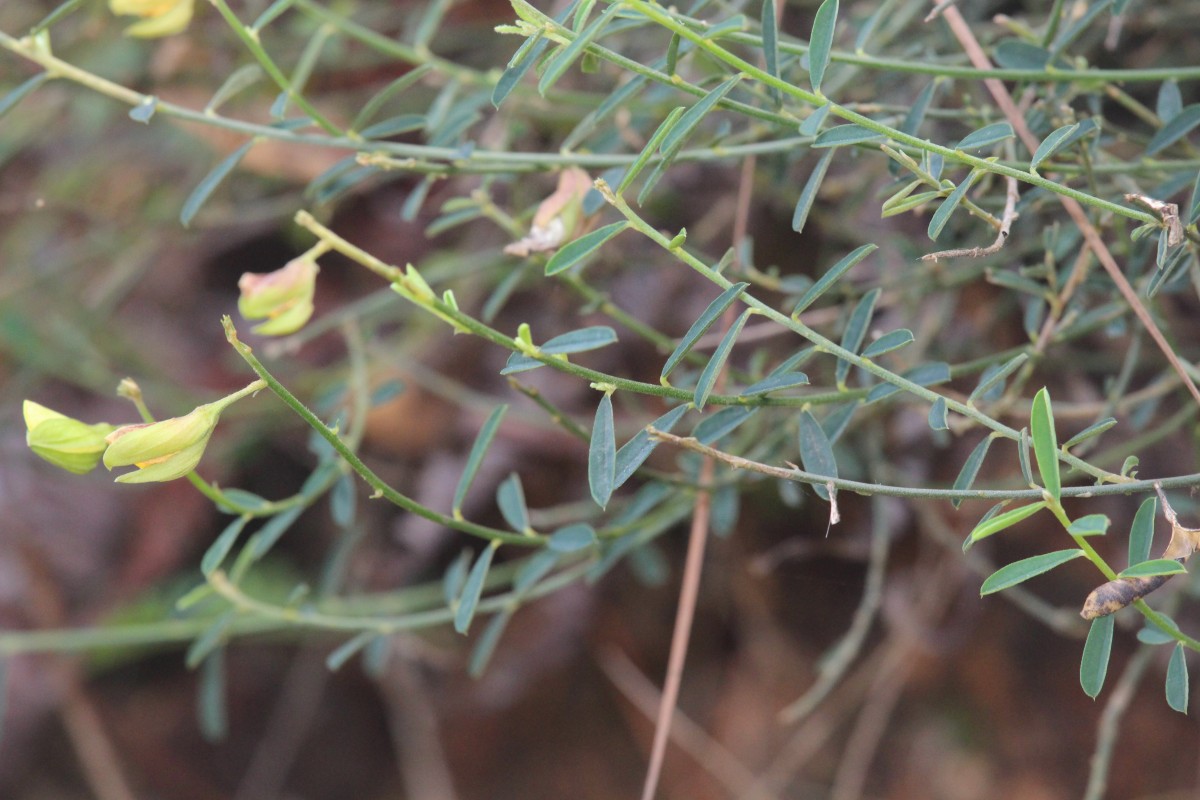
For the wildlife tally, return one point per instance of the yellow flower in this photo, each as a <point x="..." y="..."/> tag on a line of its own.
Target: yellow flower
<point x="158" y="17"/>
<point x="283" y="297"/>
<point x="67" y="443"/>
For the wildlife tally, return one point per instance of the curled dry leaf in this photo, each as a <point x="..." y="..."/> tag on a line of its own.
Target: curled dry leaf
<point x="559" y="217"/>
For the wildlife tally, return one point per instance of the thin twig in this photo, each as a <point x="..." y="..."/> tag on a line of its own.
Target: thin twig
<point x="1011" y="195"/>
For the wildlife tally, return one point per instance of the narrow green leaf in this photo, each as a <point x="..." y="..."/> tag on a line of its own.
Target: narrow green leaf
<point x="403" y="123"/>
<point x="648" y="151"/>
<point x="705" y="321"/>
<point x="10" y="100"/>
<point x="348" y="649"/>
<point x="602" y="454"/>
<point x="722" y="423"/>
<point x="937" y="415"/>
<point x="928" y="374"/>
<point x="1194" y="202"/>
<point x="1094" y="429"/>
<point x="808" y="194"/>
<point x="1045" y="443"/>
<point x="481" y="654"/>
<point x="1006" y="520"/>
<point x="1094" y="665"/>
<point x="265" y="538"/>
<point x="216" y="553"/>
<point x="208" y="641"/>
<point x="241" y="78"/>
<point x="770" y="45"/>
<point x="1026" y="568"/>
<point x="672" y="54"/>
<point x="455" y="577"/>
<point x="708" y="377"/>
<point x="970" y="468"/>
<point x="482" y="442"/>
<point x="526" y="56"/>
<point x="533" y="569"/>
<point x="510" y="497"/>
<point x="900" y="195"/>
<point x="774" y="383"/>
<point x="942" y="215"/>
<point x="1170" y="101"/>
<point x="1091" y="525"/>
<point x="1017" y="54"/>
<point x="678" y="134"/>
<point x="211" y="181"/>
<point x="1177" y="680"/>
<point x="1152" y="634"/>
<point x="580" y="341"/>
<point x="473" y="590"/>
<point x="211" y="713"/>
<point x="908" y="204"/>
<point x="916" y="114"/>
<point x="811" y="125"/>
<point x="561" y="62"/>
<point x="1051" y="144"/>
<point x="846" y="135"/>
<point x="519" y="362"/>
<point x="572" y="538"/>
<point x="1023" y="457"/>
<point x="832" y="276"/>
<point x="816" y="454"/>
<point x="856" y="331"/>
<point x="244" y="500"/>
<point x="571" y="254"/>
<point x="892" y="340"/>
<point x="1156" y="566"/>
<point x="1141" y="533"/>
<point x="1181" y="125"/>
<point x="635" y="452"/>
<point x="988" y="134"/>
<point x="820" y="44"/>
<point x="343" y="502"/>
<point x="405" y="81"/>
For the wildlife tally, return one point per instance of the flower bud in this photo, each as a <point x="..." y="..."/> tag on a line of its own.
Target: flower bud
<point x="66" y="443"/>
<point x="159" y="17"/>
<point x="283" y="297"/>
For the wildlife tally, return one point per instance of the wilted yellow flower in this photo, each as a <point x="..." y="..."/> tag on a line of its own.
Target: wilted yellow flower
<point x="283" y="297"/>
<point x="67" y="443"/>
<point x="559" y="217"/>
<point x="159" y="17"/>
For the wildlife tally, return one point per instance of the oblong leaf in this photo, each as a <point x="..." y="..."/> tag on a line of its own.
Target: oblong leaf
<point x="1179" y="126"/>
<point x="567" y="55"/>
<point x="892" y="340"/>
<point x="678" y="134"/>
<point x="708" y="377"/>
<point x="1141" y="533"/>
<point x="831" y="276"/>
<point x="698" y="328"/>
<point x="481" y="654"/>
<point x="1051" y="144"/>
<point x="970" y="467"/>
<point x="1026" y="568"/>
<point x="770" y="44"/>
<point x="23" y="90"/>
<point x="816" y="454"/>
<point x="940" y="217"/>
<point x="580" y="341"/>
<point x="648" y="151"/>
<point x="1177" y="680"/>
<point x="403" y="123"/>
<point x="820" y="44"/>
<point x="526" y="56"/>
<point x="722" y="423"/>
<point x="1093" y="667"/>
<point x="211" y="181"/>
<point x="1003" y="521"/>
<point x="808" y="194"/>
<point x="483" y="440"/>
<point x="348" y="649"/>
<point x="846" y="135"/>
<point x="217" y="552"/>
<point x="1156" y="566"/>
<point x="1091" y="525"/>
<point x="510" y="497"/>
<point x="1094" y="429"/>
<point x="574" y="252"/>
<point x="937" y="415"/>
<point x="856" y="331"/>
<point x="811" y="125"/>
<point x="988" y="134"/>
<point x="774" y="383"/>
<point x="468" y="601"/>
<point x="602" y="454"/>
<point x="1169" y="102"/>
<point x="635" y="452"/>
<point x="572" y="538"/>
<point x="1045" y="443"/>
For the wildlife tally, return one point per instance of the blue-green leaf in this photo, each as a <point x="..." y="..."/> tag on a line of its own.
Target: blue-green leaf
<point x="580" y="341"/>
<point x="510" y="497"/>
<point x="23" y="90"/>
<point x="678" y="134"/>
<point x="602" y="454"/>
<point x="1091" y="525"/>
<point x="211" y="715"/>
<point x="1051" y="144"/>
<point x="343" y="502"/>
<point x="892" y="340"/>
<point x="1000" y="522"/>
<point x="1093" y="667"/>
<point x="348" y="649"/>
<point x="937" y="415"/>
<point x="811" y="125"/>
<point x="770" y="45"/>
<point x="1177" y="680"/>
<point x="832" y="276"/>
<point x="209" y="184"/>
<point x="571" y="254"/>
<point x="705" y="321"/>
<point x="1157" y="566"/>
<point x="1170" y="101"/>
<point x="1045" y="443"/>
<point x="708" y="377"/>
<point x="1095" y="429"/>
<point x="916" y="114"/>
<point x="216" y="553"/>
<point x="856" y="331"/>
<point x="482" y="442"/>
<point x="392" y="126"/>
<point x="566" y="57"/>
<point x="208" y="641"/>
<point x="988" y="134"/>
<point x="481" y="654"/>
<point x="635" y="452"/>
<point x="722" y="423"/>
<point x="808" y="194"/>
<point x="927" y="374"/>
<point x="1026" y="568"/>
<point x="526" y="56"/>
<point x="1141" y="533"/>
<point x="970" y="468"/>
<point x="820" y="44"/>
<point x="572" y="538"/>
<point x="994" y="376"/>
<point x="816" y="454"/>
<point x="942" y="215"/>
<point x="845" y="135"/>
<point x="1180" y="126"/>
<point x="774" y="383"/>
<point x="648" y="151"/>
<point x="473" y="590"/>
